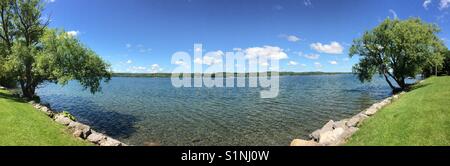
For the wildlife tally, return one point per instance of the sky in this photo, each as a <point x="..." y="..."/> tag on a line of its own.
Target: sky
<point x="140" y="36"/>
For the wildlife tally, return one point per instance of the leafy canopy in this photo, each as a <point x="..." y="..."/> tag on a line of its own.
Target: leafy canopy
<point x="397" y="50"/>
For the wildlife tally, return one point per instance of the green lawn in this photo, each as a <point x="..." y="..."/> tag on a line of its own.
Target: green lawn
<point x="22" y="125"/>
<point x="420" y="117"/>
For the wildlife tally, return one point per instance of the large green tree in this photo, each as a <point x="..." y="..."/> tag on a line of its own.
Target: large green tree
<point x="398" y="49"/>
<point x="33" y="54"/>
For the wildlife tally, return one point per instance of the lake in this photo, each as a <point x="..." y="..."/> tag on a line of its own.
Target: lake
<point x="150" y="111"/>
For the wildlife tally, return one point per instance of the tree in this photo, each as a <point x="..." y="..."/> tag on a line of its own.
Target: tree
<point x="397" y="50"/>
<point x="37" y="54"/>
<point x="446" y="69"/>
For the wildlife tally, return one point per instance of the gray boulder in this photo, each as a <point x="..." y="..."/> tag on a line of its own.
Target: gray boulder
<point x="61" y="119"/>
<point x="300" y="142"/>
<point x="96" y="138"/>
<point x="331" y="137"/>
<point x="111" y="142"/>
<point x="356" y="120"/>
<point x="80" y="130"/>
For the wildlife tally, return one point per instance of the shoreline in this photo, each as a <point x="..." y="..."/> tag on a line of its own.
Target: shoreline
<point x="337" y="133"/>
<point x="77" y="129"/>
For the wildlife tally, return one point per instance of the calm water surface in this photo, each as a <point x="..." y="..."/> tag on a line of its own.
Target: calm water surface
<point x="143" y="111"/>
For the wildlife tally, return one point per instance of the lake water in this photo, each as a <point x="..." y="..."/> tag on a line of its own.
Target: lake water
<point x="149" y="111"/>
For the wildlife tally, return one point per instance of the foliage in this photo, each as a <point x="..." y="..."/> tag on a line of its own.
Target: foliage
<point x="68" y="115"/>
<point x="397" y="50"/>
<point x="33" y="54"/>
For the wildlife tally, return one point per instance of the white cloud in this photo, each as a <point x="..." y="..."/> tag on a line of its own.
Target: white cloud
<point x="394" y="14"/>
<point x="292" y="63"/>
<point x="137" y="69"/>
<point x="426" y="3"/>
<point x="269" y="52"/>
<point x="50" y="1"/>
<point x="333" y="62"/>
<point x="307" y="2"/>
<point x="291" y="38"/>
<point x="211" y="58"/>
<point x="444" y="4"/>
<point x="303" y="65"/>
<point x="318" y="65"/>
<point x="155" y="68"/>
<point x="128" y="45"/>
<point x="332" y="48"/>
<point x="237" y="49"/>
<point x="179" y="62"/>
<point x="129" y="62"/>
<point x="346" y="59"/>
<point x="312" y="56"/>
<point x="73" y="33"/>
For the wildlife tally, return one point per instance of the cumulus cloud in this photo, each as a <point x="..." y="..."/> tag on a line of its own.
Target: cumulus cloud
<point x="332" y="48"/>
<point x="211" y="58"/>
<point x="333" y="62"/>
<point x="129" y="62"/>
<point x="291" y="38"/>
<point x="318" y="65"/>
<point x="155" y="68"/>
<point x="292" y="63"/>
<point x="137" y="69"/>
<point x="312" y="56"/>
<point x="444" y="4"/>
<point x="73" y="33"/>
<point x="179" y="62"/>
<point x="269" y="52"/>
<point x="426" y="3"/>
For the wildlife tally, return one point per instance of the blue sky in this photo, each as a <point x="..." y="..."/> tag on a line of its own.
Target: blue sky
<point x="142" y="35"/>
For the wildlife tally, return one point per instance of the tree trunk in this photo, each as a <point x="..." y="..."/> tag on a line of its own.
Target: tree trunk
<point x="389" y="82"/>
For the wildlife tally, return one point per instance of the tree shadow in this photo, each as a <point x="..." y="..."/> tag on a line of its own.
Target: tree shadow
<point x="13" y="97"/>
<point x="111" y="123"/>
<point x="417" y="86"/>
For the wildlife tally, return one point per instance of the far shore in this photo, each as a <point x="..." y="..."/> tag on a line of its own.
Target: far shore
<point x="168" y="75"/>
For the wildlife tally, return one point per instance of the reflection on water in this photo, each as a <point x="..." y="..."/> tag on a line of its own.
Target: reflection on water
<point x="142" y="111"/>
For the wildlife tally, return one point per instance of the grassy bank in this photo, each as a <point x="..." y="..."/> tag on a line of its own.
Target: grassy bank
<point x="420" y="117"/>
<point x="22" y="125"/>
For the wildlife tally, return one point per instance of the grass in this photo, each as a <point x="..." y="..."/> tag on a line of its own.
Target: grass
<point x="23" y="125"/>
<point x="421" y="117"/>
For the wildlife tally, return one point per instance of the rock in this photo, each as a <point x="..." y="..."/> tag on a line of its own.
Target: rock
<point x="80" y="130"/>
<point x="111" y="142"/>
<point x="371" y="111"/>
<point x="347" y="134"/>
<point x="32" y="102"/>
<point x="315" y="135"/>
<point x="356" y="120"/>
<point x="2" y="88"/>
<point x="96" y="138"/>
<point x="61" y="119"/>
<point x="340" y="124"/>
<point x="300" y="142"/>
<point x="327" y="127"/>
<point x="331" y="137"/>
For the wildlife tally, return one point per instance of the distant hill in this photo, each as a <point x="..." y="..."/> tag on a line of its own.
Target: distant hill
<point x="166" y="75"/>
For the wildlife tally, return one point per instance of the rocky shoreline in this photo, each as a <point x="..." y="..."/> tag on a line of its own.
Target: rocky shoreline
<point x="337" y="133"/>
<point x="78" y="129"/>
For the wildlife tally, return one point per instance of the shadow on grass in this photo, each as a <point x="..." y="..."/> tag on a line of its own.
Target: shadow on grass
<point x="11" y="97"/>
<point x="417" y="86"/>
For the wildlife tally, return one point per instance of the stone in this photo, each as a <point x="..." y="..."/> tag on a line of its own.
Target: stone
<point x="96" y="138"/>
<point x="315" y="135"/>
<point x="347" y="134"/>
<point x="111" y="142"/>
<point x="300" y="142"/>
<point x="329" y="126"/>
<point x="340" y="124"/>
<point x="371" y="111"/>
<point x="80" y="130"/>
<point x="331" y="137"/>
<point x="61" y="119"/>
<point x="356" y="120"/>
